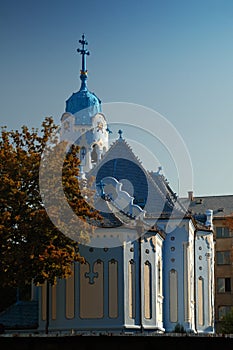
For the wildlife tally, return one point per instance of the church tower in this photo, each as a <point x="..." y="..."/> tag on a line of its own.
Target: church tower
<point x="83" y="118"/>
<point x="149" y="265"/>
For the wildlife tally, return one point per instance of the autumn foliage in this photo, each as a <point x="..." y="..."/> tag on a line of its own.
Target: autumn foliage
<point x="32" y="246"/>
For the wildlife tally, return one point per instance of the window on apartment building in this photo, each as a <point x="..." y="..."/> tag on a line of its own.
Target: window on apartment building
<point x="223" y="258"/>
<point x="222" y="232"/>
<point x="223" y="285"/>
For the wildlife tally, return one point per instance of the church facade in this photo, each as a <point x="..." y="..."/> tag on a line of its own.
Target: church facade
<point x="150" y="264"/>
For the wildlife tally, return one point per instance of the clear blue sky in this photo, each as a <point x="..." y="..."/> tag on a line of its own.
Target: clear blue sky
<point x="174" y="56"/>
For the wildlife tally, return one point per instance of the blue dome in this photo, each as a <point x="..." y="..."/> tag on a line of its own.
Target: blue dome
<point x="83" y="99"/>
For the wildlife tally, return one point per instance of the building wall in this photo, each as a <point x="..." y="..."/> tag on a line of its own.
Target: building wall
<point x="92" y="298"/>
<point x="204" y="281"/>
<point x="223" y="271"/>
<point x="178" y="262"/>
<point x="147" y="284"/>
<point x="117" y="288"/>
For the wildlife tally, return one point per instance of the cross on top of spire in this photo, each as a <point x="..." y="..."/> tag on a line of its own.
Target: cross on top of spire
<point x="83" y="52"/>
<point x="120" y="132"/>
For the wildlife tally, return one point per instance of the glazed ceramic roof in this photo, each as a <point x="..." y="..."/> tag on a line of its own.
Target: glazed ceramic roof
<point x="150" y="193"/>
<point x="86" y="102"/>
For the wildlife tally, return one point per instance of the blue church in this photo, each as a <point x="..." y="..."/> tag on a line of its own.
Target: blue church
<point x="150" y="264"/>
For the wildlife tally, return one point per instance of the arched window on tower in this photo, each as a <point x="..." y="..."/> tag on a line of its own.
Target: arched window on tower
<point x="83" y="155"/>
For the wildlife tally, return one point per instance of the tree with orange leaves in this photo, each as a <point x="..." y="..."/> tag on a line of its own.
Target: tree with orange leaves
<point x="33" y="247"/>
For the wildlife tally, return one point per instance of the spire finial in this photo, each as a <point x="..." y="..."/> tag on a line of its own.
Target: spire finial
<point x="83" y="52"/>
<point x="120" y="132"/>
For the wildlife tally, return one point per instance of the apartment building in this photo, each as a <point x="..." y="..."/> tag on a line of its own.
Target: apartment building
<point x="222" y="207"/>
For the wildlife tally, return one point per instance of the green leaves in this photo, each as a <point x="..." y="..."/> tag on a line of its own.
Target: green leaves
<point x="226" y="326"/>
